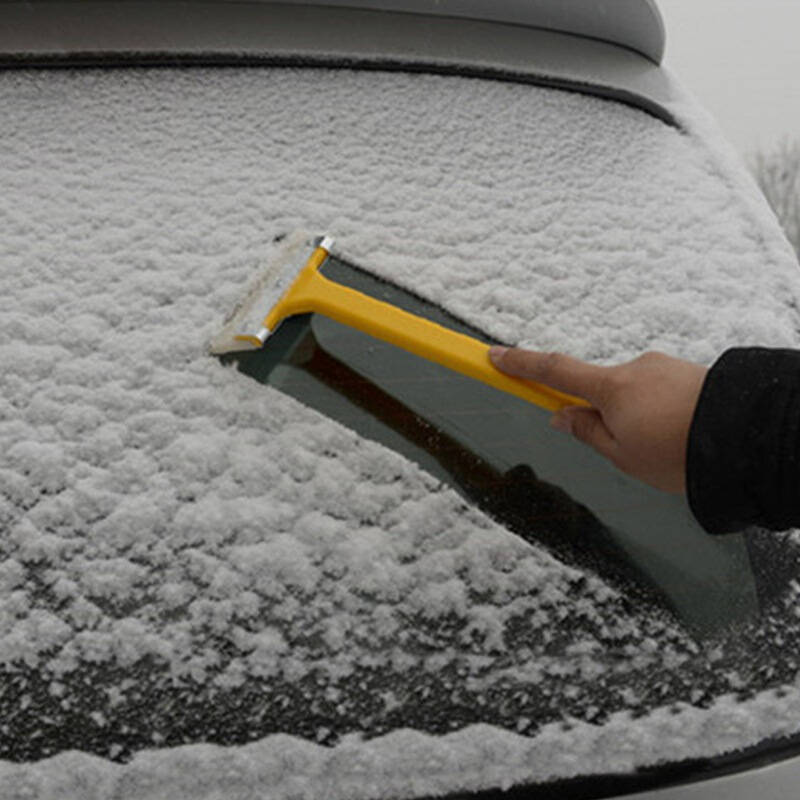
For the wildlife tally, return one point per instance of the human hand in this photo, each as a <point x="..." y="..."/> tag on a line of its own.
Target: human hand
<point x="640" y="411"/>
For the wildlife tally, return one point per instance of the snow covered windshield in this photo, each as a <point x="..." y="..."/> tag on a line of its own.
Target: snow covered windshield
<point x="190" y="557"/>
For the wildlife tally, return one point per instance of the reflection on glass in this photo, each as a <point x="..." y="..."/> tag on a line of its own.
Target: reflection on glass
<point x="500" y="453"/>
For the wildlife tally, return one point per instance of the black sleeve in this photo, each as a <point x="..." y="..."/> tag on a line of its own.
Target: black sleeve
<point x="743" y="454"/>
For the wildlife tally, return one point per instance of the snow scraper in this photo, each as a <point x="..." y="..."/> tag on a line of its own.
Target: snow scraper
<point x="296" y="286"/>
<point x="494" y="448"/>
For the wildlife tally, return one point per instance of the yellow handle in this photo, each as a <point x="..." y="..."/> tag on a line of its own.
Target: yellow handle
<point x="312" y="292"/>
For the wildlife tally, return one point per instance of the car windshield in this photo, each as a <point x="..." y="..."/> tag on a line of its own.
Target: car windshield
<point x="329" y="560"/>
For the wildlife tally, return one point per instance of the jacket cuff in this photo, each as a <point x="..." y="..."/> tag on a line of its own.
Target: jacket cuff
<point x="742" y="465"/>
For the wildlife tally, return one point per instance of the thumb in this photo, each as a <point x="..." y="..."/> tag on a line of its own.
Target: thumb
<point x="559" y="371"/>
<point x="586" y="425"/>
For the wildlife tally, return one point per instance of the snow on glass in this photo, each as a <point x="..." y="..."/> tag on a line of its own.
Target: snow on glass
<point x="190" y="557"/>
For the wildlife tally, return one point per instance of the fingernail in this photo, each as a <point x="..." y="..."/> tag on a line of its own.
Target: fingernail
<point x="561" y="422"/>
<point x="496" y="352"/>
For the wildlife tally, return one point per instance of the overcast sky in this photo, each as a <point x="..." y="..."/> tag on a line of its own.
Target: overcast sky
<point x="742" y="59"/>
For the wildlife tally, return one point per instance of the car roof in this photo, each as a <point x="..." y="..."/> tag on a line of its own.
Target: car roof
<point x="635" y="24"/>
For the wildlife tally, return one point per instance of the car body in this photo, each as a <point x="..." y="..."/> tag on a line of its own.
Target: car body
<point x="218" y="588"/>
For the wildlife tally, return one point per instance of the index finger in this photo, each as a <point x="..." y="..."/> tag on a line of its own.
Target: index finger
<point x="559" y="371"/>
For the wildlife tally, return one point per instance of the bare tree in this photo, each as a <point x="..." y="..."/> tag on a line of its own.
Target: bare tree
<point x="778" y="174"/>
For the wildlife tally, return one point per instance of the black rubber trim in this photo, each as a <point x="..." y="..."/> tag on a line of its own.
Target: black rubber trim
<point x="108" y="60"/>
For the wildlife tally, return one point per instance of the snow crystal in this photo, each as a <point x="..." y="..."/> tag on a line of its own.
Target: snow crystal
<point x="186" y="550"/>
